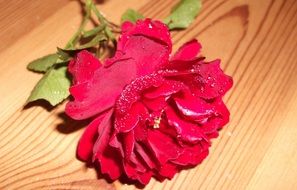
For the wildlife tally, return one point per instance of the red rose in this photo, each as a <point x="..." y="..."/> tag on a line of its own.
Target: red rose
<point x="154" y="113"/>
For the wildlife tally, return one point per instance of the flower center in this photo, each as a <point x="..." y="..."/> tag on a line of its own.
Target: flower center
<point x="157" y="122"/>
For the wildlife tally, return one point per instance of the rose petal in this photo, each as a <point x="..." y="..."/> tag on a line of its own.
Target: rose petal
<point x="136" y="163"/>
<point x="148" y="54"/>
<point x="101" y="91"/>
<point x="216" y="123"/>
<point x="145" y="154"/>
<point x="148" y="43"/>
<point x="188" y="51"/>
<point x="184" y="66"/>
<point x="127" y="26"/>
<point x="140" y="131"/>
<point x="165" y="128"/>
<point x="118" y="57"/>
<point x="187" y="132"/>
<point x="145" y="178"/>
<point x="127" y="122"/>
<point x="132" y="92"/>
<point x="83" y="67"/>
<point x="168" y="170"/>
<point x="136" y="170"/>
<point x="192" y="155"/>
<point x="152" y="29"/>
<point x="115" y="142"/>
<point x="193" y="107"/>
<point x="79" y="91"/>
<point x="156" y="104"/>
<point x="88" y="139"/>
<point x="129" y="142"/>
<point x="212" y="80"/>
<point x="165" y="149"/>
<point x="166" y="89"/>
<point x="223" y="111"/>
<point x="104" y="133"/>
<point x="142" y="177"/>
<point x="104" y="154"/>
<point x="110" y="163"/>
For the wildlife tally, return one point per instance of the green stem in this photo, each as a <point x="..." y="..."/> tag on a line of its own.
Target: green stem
<point x="100" y="17"/>
<point x="104" y="21"/>
<point x="93" y="31"/>
<point x="75" y="38"/>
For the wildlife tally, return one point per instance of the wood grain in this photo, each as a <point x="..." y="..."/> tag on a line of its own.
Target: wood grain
<point x="257" y="42"/>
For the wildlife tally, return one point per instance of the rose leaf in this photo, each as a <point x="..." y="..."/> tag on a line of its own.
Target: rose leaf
<point x="52" y="87"/>
<point x="44" y="63"/>
<point x="131" y="15"/>
<point x="183" y="14"/>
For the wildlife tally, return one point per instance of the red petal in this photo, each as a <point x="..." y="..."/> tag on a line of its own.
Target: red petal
<point x="145" y="177"/>
<point x="156" y="104"/>
<point x="135" y="169"/>
<point x="118" y="57"/>
<point x="222" y="118"/>
<point x="192" y="155"/>
<point x="212" y="80"/>
<point x="127" y="122"/>
<point x="114" y="142"/>
<point x="88" y="139"/>
<point x="168" y="88"/>
<point x="83" y="67"/>
<point x="107" y="156"/>
<point x="126" y="26"/>
<point x="163" y="146"/>
<point x="79" y="91"/>
<point x="188" y="51"/>
<point x="168" y="170"/>
<point x="132" y="173"/>
<point x="148" y="43"/>
<point x="104" y="133"/>
<point x="128" y="142"/>
<point x="140" y="131"/>
<point x="101" y="91"/>
<point x="188" y="132"/>
<point x="152" y="29"/>
<point x="222" y="111"/>
<point x="165" y="128"/>
<point x="139" y="166"/>
<point x="183" y="65"/>
<point x="132" y="92"/>
<point x="144" y="153"/>
<point x="194" y="108"/>
<point x="110" y="163"/>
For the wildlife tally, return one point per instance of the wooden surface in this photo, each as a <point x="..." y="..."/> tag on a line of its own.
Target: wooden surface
<point x="257" y="41"/>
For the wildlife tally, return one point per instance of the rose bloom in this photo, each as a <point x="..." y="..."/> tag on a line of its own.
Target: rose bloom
<point x="153" y="112"/>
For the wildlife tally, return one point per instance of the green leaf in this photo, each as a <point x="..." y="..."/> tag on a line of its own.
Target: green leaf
<point x="183" y="14"/>
<point x="44" y="63"/>
<point x="52" y="87"/>
<point x="131" y="15"/>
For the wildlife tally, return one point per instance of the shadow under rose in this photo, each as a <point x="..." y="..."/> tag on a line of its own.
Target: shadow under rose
<point x="100" y="1"/>
<point x="41" y="103"/>
<point x="70" y="125"/>
<point x="123" y="179"/>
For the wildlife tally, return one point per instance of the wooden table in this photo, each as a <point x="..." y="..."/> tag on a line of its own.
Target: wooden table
<point x="257" y="41"/>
